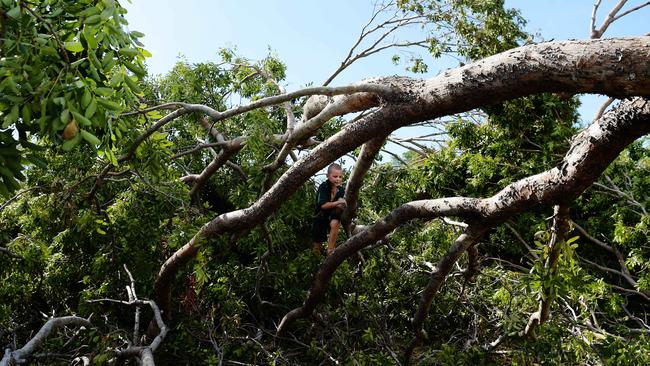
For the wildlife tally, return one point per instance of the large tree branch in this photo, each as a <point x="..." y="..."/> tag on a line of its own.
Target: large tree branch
<point x="427" y="209"/>
<point x="588" y="156"/>
<point x="317" y="111"/>
<point x="603" y="66"/>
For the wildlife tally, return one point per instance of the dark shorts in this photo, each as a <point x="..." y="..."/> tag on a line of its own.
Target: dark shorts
<point x="321" y="225"/>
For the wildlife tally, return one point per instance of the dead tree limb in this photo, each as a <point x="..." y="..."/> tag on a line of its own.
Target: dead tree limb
<point x="144" y="354"/>
<point x="21" y="355"/>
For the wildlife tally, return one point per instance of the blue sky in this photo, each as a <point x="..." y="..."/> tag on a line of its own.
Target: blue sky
<point x="312" y="37"/>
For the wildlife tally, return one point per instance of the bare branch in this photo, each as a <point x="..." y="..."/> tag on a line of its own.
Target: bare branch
<point x="144" y="353"/>
<point x="9" y="253"/>
<point x="449" y="221"/>
<point x="611" y="16"/>
<point x="199" y="147"/>
<point x="471" y="235"/>
<point x="521" y="240"/>
<point x="18" y="194"/>
<point x="614" y="188"/>
<point x="366" y="158"/>
<point x="316" y="113"/>
<point x="20" y="355"/>
<point x="291" y="118"/>
<point x="592" y="24"/>
<point x="393" y="23"/>
<point x="418" y="151"/>
<point x="603" y="107"/>
<point x="133" y="296"/>
<point x="170" y="106"/>
<point x="228" y="150"/>
<point x="624" y="272"/>
<point x="631" y="10"/>
<point x="379" y="89"/>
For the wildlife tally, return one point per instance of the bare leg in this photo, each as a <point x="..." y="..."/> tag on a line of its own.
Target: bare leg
<point x="334" y="232"/>
<point x="317" y="248"/>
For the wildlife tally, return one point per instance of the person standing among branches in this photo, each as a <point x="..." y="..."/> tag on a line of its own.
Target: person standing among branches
<point x="329" y="207"/>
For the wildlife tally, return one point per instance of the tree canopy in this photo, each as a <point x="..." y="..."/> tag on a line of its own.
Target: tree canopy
<point x="147" y="218"/>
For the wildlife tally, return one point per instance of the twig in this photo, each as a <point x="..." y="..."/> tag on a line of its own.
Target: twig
<point x="7" y="202"/>
<point x="609" y="19"/>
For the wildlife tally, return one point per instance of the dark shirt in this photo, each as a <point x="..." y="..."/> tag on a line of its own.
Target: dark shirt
<point x="324" y="194"/>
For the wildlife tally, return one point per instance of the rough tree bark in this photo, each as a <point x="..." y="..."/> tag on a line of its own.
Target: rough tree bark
<point x="617" y="67"/>
<point x="591" y="151"/>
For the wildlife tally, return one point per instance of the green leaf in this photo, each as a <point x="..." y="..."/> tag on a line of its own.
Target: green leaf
<point x="105" y="92"/>
<point x="6" y="172"/>
<point x="81" y="119"/>
<point x="74" y="46"/>
<point x="132" y="85"/>
<point x="78" y="62"/>
<point x="70" y="144"/>
<point x="88" y="12"/>
<point x="571" y="240"/>
<point x="86" y="98"/>
<point x="135" y="69"/>
<point x="27" y="113"/>
<point x="11" y="184"/>
<point x="4" y="191"/>
<point x="145" y="53"/>
<point x="130" y="52"/>
<point x="92" y="139"/>
<point x="93" y="19"/>
<point x="89" y="36"/>
<point x="37" y="161"/>
<point x="11" y="117"/>
<point x="28" y="145"/>
<point x="110" y="156"/>
<point x="14" y="13"/>
<point x="92" y="108"/>
<point x="109" y="104"/>
<point x="65" y="116"/>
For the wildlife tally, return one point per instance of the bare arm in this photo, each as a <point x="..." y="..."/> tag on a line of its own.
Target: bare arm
<point x="330" y="205"/>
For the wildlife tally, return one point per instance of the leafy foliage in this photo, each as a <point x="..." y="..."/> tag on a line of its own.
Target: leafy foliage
<point x="68" y="69"/>
<point x="70" y="234"/>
